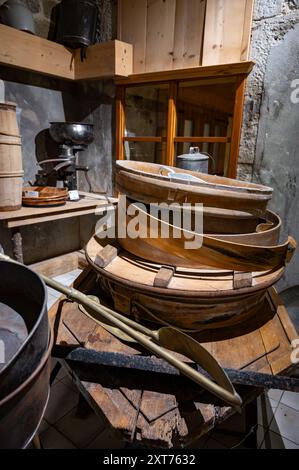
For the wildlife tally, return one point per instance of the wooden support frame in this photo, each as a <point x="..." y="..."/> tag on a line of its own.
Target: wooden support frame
<point x="120" y="122"/>
<point x="171" y="124"/>
<point x="237" y="127"/>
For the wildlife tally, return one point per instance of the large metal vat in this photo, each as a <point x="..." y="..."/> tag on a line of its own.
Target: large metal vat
<point x="25" y="293"/>
<point x="21" y="411"/>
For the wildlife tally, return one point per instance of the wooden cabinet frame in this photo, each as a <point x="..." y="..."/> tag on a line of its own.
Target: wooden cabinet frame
<point x="239" y="71"/>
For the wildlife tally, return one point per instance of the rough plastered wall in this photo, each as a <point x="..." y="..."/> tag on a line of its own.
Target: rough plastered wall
<point x="41" y="100"/>
<point x="269" y="151"/>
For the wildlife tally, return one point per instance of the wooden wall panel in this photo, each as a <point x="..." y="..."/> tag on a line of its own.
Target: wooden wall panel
<point x="177" y="34"/>
<point x="132" y="21"/>
<point x="188" y="36"/>
<point x="227" y="31"/>
<point x="160" y="35"/>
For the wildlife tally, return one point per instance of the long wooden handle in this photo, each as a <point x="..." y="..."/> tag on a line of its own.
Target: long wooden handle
<point x="231" y="398"/>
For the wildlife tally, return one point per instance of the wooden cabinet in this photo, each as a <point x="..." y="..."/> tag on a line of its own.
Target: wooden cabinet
<point x="160" y="119"/>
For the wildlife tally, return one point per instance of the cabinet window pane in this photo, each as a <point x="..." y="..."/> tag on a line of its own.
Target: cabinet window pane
<point x="146" y="110"/>
<point x="208" y="104"/>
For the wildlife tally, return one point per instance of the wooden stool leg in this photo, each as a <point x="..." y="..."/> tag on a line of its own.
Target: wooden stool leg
<point x="17" y="245"/>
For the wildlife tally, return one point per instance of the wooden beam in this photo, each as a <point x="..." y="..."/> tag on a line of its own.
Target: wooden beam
<point x="195" y="73"/>
<point x="171" y="124"/>
<point x="59" y="265"/>
<point x="104" y="60"/>
<point x="28" y="52"/>
<point x="143" y="139"/>
<point x="211" y="140"/>
<point x="120" y="122"/>
<point x="236" y="128"/>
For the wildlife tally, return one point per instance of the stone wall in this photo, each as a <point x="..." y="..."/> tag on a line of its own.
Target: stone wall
<point x="269" y="147"/>
<point x="41" y="100"/>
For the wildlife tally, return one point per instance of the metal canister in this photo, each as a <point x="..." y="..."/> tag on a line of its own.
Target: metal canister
<point x="194" y="161"/>
<point x="77" y="20"/>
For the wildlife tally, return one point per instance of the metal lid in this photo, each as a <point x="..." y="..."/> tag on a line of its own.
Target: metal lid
<point x="193" y="155"/>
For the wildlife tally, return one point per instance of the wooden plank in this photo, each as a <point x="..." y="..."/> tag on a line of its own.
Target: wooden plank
<point x="34" y="215"/>
<point x="247" y="27"/>
<point x="160" y="35"/>
<point x="164" y="276"/>
<point x="236" y="128"/>
<point x="189" y="30"/>
<point x="104" y="60"/>
<point x="195" y="73"/>
<point x="29" y="52"/>
<point x="58" y="265"/>
<point x="132" y="16"/>
<point x="63" y="215"/>
<point x="227" y="31"/>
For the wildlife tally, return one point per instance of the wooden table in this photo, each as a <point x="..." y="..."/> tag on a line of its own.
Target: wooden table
<point x="88" y="204"/>
<point x="151" y="410"/>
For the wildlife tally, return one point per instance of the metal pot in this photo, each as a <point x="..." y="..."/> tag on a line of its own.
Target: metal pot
<point x="21" y="412"/>
<point x="23" y="291"/>
<point x="193" y="161"/>
<point x="16" y="14"/>
<point x="77" y="20"/>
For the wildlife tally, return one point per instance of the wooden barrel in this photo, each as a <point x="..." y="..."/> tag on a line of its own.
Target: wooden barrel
<point x="11" y="191"/>
<point x="8" y="119"/>
<point x="11" y="173"/>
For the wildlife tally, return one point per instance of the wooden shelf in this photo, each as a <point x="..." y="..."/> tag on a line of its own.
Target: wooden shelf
<point x="25" y="51"/>
<point x="194" y="73"/>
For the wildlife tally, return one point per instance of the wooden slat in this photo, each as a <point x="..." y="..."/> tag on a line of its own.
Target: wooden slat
<point x="58" y="265"/>
<point x="160" y="35"/>
<point x="120" y="122"/>
<point x="28" y="52"/>
<point x="227" y="31"/>
<point x="104" y="60"/>
<point x="245" y="44"/>
<point x="236" y="128"/>
<point x="189" y="29"/>
<point x="132" y="15"/>
<point x="210" y="71"/>
<point x="213" y="140"/>
<point x="143" y="139"/>
<point x="171" y="124"/>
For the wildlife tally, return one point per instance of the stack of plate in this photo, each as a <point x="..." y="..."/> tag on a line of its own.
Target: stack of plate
<point x="44" y="196"/>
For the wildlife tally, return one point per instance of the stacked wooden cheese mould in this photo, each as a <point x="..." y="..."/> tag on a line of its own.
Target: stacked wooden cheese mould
<point x="220" y="284"/>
